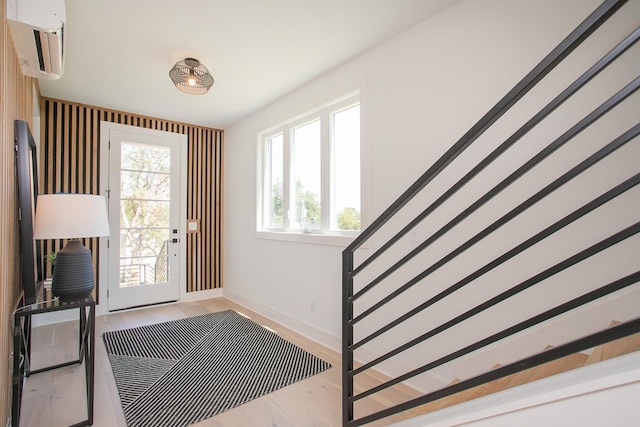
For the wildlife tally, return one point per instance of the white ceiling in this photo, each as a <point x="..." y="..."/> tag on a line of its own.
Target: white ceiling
<point x="119" y="52"/>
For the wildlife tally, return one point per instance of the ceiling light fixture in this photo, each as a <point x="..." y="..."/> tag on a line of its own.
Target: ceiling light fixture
<point x="190" y="76"/>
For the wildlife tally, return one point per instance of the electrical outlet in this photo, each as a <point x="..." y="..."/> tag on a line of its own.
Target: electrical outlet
<point x="312" y="306"/>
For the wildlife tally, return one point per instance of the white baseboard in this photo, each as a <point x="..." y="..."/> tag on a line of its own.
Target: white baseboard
<point x="200" y="295"/>
<point x="318" y="335"/>
<point x="101" y="309"/>
<point x="55" y="317"/>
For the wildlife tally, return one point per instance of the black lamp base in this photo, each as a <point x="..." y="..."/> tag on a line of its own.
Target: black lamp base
<point x="73" y="275"/>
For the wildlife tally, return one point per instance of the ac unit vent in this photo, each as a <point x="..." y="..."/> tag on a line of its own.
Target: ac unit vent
<point x="37" y="29"/>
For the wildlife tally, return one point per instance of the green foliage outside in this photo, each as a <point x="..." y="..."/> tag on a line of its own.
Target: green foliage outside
<point x="277" y="207"/>
<point x="308" y="209"/>
<point x="349" y="219"/>
<point x="307" y="206"/>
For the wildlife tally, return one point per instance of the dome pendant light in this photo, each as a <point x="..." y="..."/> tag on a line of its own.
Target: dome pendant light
<point x="190" y="76"/>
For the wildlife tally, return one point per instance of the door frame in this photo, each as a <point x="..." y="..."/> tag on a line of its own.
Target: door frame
<point x="103" y="259"/>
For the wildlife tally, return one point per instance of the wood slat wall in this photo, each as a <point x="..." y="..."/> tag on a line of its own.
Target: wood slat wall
<point x="204" y="202"/>
<point x="16" y="102"/>
<point x="70" y="163"/>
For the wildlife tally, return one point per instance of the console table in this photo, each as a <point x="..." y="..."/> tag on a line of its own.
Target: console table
<point x="22" y="348"/>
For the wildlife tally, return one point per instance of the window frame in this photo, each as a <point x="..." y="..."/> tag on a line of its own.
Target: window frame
<point x="324" y="235"/>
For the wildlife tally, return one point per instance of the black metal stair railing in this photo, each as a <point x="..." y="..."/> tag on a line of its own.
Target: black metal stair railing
<point x="376" y="272"/>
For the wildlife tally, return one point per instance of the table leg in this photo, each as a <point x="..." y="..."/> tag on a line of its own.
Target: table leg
<point x="90" y="361"/>
<point x="81" y="338"/>
<point x="17" y="373"/>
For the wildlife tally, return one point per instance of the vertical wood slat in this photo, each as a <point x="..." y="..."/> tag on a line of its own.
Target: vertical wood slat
<point x="57" y="169"/>
<point x="82" y="176"/>
<point x="73" y="148"/>
<point x="71" y="151"/>
<point x="198" y="196"/>
<point x="202" y="198"/>
<point x="188" y="238"/>
<point x="209" y="191"/>
<point x="16" y="102"/>
<point x="218" y="206"/>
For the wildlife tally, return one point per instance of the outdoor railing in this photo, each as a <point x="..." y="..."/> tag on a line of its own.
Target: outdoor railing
<point x="161" y="267"/>
<point x="132" y="274"/>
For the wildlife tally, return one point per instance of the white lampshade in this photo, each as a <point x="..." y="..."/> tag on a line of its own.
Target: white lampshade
<point x="70" y="216"/>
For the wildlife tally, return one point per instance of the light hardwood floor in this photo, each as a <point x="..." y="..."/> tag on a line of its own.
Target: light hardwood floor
<point x="56" y="398"/>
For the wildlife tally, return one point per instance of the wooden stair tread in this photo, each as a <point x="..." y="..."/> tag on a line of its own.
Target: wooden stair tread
<point x="615" y="348"/>
<point x="603" y="352"/>
<point x="548" y="369"/>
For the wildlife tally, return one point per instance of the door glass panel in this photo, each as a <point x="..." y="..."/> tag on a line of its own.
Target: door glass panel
<point x="144" y="214"/>
<point x="135" y="213"/>
<point x="142" y="157"/>
<point x="144" y="185"/>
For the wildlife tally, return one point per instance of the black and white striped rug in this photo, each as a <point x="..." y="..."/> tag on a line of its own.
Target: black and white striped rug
<point x="179" y="372"/>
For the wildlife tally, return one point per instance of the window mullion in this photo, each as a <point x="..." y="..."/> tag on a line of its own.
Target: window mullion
<point x="325" y="170"/>
<point x="286" y="177"/>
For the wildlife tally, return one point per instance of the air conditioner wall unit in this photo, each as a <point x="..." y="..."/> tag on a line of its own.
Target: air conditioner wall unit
<point x="38" y="33"/>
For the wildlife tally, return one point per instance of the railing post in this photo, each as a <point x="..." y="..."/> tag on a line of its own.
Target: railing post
<point x="347" y="337"/>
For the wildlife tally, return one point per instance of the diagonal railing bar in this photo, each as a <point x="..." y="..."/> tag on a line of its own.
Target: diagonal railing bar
<point x="599" y="247"/>
<point x="599" y="66"/>
<point x="522" y="286"/>
<point x="560" y="52"/>
<point x="574" y="216"/>
<point x="581" y="167"/>
<point x="572" y="260"/>
<point x="559" y="142"/>
<point x="581" y="344"/>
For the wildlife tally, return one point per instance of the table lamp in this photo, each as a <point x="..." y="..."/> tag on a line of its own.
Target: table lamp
<point x="71" y="216"/>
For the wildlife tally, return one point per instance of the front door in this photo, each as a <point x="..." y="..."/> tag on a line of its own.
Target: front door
<point x="144" y="206"/>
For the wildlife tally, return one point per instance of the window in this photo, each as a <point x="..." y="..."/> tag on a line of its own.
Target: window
<point x="309" y="172"/>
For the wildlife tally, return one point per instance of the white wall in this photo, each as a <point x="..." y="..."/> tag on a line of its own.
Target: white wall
<point x="420" y="92"/>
